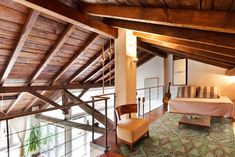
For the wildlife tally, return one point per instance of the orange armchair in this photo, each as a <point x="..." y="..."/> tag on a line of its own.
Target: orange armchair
<point x="130" y="130"/>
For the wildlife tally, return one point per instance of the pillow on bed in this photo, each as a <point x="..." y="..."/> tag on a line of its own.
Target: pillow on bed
<point x="208" y="92"/>
<point x="186" y="92"/>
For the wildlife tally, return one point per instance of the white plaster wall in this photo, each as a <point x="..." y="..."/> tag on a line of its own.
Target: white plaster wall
<point x="200" y="74"/>
<point x="153" y="68"/>
<point x="209" y="75"/>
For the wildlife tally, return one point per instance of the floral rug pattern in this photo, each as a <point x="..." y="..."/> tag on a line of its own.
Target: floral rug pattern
<point x="166" y="140"/>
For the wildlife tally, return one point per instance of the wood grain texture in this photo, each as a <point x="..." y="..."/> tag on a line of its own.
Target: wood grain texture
<point x="185" y="18"/>
<point x="21" y="41"/>
<point x="59" y="10"/>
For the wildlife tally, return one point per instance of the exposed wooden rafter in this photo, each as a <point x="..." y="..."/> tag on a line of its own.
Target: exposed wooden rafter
<point x="150" y="49"/>
<point x="28" y="106"/>
<point x="19" y="89"/>
<point x="98" y="70"/>
<point x="111" y="78"/>
<point x="197" y="58"/>
<point x="88" y="109"/>
<point x="25" y="113"/>
<point x="14" y="103"/>
<point x="209" y="48"/>
<point x="218" y="21"/>
<point x="63" y="12"/>
<point x="144" y="58"/>
<point x="74" y="58"/>
<point x="89" y="63"/>
<point x="9" y="97"/>
<point x="70" y="28"/>
<point x="71" y="124"/>
<point x="31" y="19"/>
<point x="192" y="51"/>
<point x="230" y="72"/>
<point x="106" y="74"/>
<point x="224" y="40"/>
<point x="83" y="92"/>
<point x="44" y="98"/>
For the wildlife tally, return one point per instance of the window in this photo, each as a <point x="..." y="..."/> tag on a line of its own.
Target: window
<point x="180" y="68"/>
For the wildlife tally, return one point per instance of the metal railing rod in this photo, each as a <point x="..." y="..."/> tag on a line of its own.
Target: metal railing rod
<point x="106" y="127"/>
<point x="150" y="87"/>
<point x="93" y="120"/>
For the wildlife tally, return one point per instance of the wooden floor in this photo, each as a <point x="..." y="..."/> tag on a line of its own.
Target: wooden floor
<point x="151" y="116"/>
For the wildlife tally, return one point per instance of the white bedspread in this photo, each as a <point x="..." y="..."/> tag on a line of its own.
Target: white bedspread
<point x="214" y="107"/>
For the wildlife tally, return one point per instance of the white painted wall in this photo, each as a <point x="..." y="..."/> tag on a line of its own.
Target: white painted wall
<point x="200" y="74"/>
<point x="153" y="68"/>
<point x="209" y="75"/>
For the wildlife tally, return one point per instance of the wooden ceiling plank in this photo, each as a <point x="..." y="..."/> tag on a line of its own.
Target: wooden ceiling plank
<point x="112" y="77"/>
<point x="212" y="49"/>
<point x="43" y="98"/>
<point x="106" y="74"/>
<point x="196" y="19"/>
<point x="19" y="89"/>
<point x="31" y="19"/>
<point x="70" y="28"/>
<point x="192" y="51"/>
<point x="100" y="76"/>
<point x="150" y="49"/>
<point x="98" y="70"/>
<point x="75" y="56"/>
<point x="230" y="72"/>
<point x="63" y="12"/>
<point x="205" y="37"/>
<point x="89" y="63"/>
<point x="14" y="103"/>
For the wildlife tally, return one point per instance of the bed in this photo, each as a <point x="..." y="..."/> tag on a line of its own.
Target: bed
<point x="222" y="106"/>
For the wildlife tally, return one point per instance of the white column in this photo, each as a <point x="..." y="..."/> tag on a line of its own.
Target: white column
<point x="168" y="65"/>
<point x="125" y="67"/>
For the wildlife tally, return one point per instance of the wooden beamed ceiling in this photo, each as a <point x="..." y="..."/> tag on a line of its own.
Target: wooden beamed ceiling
<point x="42" y="46"/>
<point x="63" y="12"/>
<point x="203" y="20"/>
<point x="45" y="44"/>
<point x="209" y="47"/>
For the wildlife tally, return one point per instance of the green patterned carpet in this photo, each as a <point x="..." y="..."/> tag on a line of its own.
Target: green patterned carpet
<point x="168" y="141"/>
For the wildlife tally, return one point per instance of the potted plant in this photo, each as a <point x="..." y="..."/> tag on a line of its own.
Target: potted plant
<point x="34" y="141"/>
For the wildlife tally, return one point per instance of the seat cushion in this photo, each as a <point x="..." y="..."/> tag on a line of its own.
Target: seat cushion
<point x="132" y="129"/>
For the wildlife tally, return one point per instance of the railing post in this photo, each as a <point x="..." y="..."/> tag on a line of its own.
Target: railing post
<point x="8" y="142"/>
<point x="143" y="99"/>
<point x="149" y="99"/>
<point x="93" y="120"/>
<point x="106" y="128"/>
<point x="139" y="99"/>
<point x="114" y="111"/>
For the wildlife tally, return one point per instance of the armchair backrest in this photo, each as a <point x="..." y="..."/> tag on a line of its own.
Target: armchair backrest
<point x="126" y="109"/>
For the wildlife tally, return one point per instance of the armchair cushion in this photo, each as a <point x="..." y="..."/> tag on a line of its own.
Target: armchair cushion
<point x="130" y="130"/>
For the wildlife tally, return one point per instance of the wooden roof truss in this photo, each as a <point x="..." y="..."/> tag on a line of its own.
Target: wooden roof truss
<point x="53" y="44"/>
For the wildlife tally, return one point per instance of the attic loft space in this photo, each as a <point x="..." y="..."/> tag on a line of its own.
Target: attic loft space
<point x="71" y="69"/>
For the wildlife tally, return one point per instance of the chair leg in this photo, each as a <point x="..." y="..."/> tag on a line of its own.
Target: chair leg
<point x="147" y="134"/>
<point x="116" y="138"/>
<point x="131" y="147"/>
